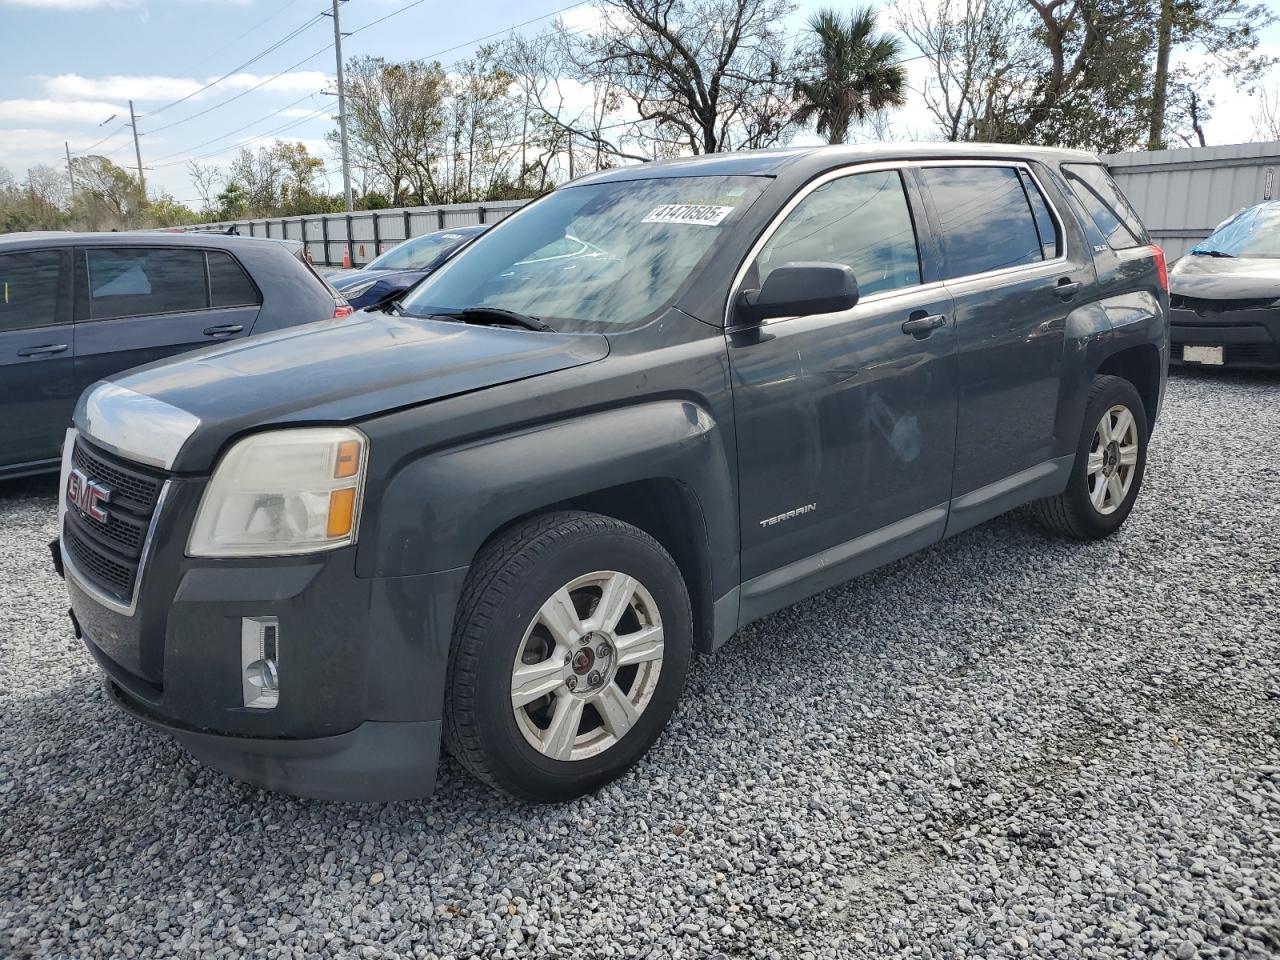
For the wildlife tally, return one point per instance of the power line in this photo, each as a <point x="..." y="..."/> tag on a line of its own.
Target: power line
<point x="232" y="42"/>
<point x="232" y="133"/>
<point x="254" y="139"/>
<point x="234" y="70"/>
<point x="122" y="126"/>
<point x="243" y="93"/>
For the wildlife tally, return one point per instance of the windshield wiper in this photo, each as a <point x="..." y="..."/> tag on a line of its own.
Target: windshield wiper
<point x="1213" y="253"/>
<point x="497" y="315"/>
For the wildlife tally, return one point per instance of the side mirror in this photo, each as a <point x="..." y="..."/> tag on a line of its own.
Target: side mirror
<point x="800" y="290"/>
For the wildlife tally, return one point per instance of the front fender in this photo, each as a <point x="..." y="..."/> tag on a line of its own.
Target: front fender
<point x="435" y="511"/>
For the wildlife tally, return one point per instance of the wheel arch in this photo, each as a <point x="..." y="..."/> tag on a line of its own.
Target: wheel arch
<point x="1140" y="365"/>
<point x="661" y="466"/>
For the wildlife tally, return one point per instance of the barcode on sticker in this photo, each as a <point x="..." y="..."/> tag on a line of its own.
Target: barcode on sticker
<point x="705" y="214"/>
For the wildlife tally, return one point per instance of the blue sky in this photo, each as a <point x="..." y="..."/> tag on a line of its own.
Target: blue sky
<point x="69" y="64"/>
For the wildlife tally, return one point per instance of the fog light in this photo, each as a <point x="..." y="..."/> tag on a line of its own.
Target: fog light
<point x="260" y="661"/>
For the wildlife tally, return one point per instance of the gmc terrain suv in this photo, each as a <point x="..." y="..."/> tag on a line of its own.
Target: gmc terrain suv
<point x="653" y="406"/>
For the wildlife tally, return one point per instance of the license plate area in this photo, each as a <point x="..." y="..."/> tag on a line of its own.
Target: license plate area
<point x="1198" y="354"/>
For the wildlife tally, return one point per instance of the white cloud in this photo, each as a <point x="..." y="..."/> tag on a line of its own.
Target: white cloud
<point x="54" y="5"/>
<point x="58" y="111"/>
<point x="23" y="147"/>
<point x="120" y="87"/>
<point x="149" y="88"/>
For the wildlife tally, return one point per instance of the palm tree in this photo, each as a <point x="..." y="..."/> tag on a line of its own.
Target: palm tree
<point x="856" y="73"/>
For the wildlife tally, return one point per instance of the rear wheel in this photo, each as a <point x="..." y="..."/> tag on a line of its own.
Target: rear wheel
<point x="569" y="655"/>
<point x="1110" y="461"/>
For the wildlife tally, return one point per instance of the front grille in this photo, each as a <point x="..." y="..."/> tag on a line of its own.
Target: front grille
<point x="138" y="488"/>
<point x="112" y="574"/>
<point x="109" y="553"/>
<point x="1204" y="306"/>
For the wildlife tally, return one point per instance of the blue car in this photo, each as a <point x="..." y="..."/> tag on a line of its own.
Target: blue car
<point x="394" y="272"/>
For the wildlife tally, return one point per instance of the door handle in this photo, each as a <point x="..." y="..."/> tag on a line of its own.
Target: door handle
<point x="1066" y="289"/>
<point x="48" y="350"/>
<point x="921" y="324"/>
<point x="226" y="330"/>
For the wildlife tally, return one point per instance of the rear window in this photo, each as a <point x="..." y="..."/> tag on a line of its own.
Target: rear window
<point x="1105" y="205"/>
<point x="229" y="285"/>
<point x="986" y="219"/>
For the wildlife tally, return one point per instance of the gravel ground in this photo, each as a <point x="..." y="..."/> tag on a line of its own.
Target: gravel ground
<point x="1009" y="744"/>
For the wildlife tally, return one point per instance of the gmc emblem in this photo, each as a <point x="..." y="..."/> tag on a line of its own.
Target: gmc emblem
<point x="87" y="496"/>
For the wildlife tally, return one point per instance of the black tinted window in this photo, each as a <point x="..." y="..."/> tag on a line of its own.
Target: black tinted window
<point x="1106" y="205"/>
<point x="29" y="289"/>
<point x="1050" y="238"/>
<point x="129" y="283"/>
<point x="229" y="285"/>
<point x="862" y="221"/>
<point x="985" y="218"/>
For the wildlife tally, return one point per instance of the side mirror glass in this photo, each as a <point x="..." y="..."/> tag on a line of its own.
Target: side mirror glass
<point x="799" y="290"/>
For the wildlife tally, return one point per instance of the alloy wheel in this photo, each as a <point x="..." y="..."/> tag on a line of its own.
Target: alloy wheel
<point x="1113" y="459"/>
<point x="587" y="666"/>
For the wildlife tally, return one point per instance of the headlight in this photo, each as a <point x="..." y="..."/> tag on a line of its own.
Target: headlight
<point x="352" y="292"/>
<point x="284" y="492"/>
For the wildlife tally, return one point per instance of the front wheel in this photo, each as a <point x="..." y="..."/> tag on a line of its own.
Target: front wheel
<point x="569" y="655"/>
<point x="1110" y="461"/>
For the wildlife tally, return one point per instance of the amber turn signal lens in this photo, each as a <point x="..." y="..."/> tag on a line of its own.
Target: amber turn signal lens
<point x="348" y="463"/>
<point x="342" y="510"/>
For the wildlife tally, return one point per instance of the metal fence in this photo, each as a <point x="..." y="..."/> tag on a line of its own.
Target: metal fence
<point x="365" y="233"/>
<point x="1182" y="195"/>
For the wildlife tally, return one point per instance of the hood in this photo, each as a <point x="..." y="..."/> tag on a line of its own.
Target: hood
<point x="333" y="371"/>
<point x="348" y="279"/>
<point x="1225" y="278"/>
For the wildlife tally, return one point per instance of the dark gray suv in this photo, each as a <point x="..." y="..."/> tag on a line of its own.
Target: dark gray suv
<point x="651" y="407"/>
<point x="77" y="307"/>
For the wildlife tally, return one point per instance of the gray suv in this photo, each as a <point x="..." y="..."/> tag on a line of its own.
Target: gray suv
<point x="645" y="410"/>
<point x="77" y="307"/>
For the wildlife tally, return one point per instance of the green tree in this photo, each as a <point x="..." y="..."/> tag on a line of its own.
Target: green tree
<point x="854" y="72"/>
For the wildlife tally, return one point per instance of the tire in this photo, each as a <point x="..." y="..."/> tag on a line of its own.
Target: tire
<point x="526" y="595"/>
<point x="1077" y="512"/>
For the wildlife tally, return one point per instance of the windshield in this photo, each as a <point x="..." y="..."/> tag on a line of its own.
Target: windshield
<point x="418" y="253"/>
<point x="1253" y="233"/>
<point x="612" y="253"/>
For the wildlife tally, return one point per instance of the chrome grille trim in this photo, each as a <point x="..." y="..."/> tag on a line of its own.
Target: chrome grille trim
<point x="133" y="425"/>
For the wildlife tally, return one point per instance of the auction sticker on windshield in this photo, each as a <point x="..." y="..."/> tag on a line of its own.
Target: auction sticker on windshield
<point x="701" y="214"/>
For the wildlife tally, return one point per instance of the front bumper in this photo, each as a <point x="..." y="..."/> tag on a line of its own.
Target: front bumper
<point x="361" y="662"/>
<point x="1250" y="338"/>
<point x="375" y="761"/>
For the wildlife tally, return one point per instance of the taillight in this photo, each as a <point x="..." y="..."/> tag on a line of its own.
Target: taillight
<point x="1162" y="269"/>
<point x="346" y="310"/>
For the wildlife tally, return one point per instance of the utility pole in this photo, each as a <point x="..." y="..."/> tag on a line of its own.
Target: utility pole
<point x="70" y="176"/>
<point x="342" y="109"/>
<point x="137" y="152"/>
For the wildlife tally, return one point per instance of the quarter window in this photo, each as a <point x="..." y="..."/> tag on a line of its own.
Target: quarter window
<point x="126" y="282"/>
<point x="862" y="221"/>
<point x="29" y="289"/>
<point x="1046" y="226"/>
<point x="985" y="218"/>
<point x="1106" y="205"/>
<point x="229" y="285"/>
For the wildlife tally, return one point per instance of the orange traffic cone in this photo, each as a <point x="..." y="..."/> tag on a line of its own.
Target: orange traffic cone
<point x="346" y="258"/>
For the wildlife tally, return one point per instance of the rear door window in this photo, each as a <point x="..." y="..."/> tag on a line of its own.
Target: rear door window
<point x="126" y="282"/>
<point x="1105" y="205"/>
<point x="985" y="218"/>
<point x="862" y="221"/>
<point x="229" y="285"/>
<point x="30" y="289"/>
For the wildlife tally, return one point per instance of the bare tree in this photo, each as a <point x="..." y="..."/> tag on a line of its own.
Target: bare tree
<point x="207" y="179"/>
<point x="710" y="75"/>
<point x="1266" y="120"/>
